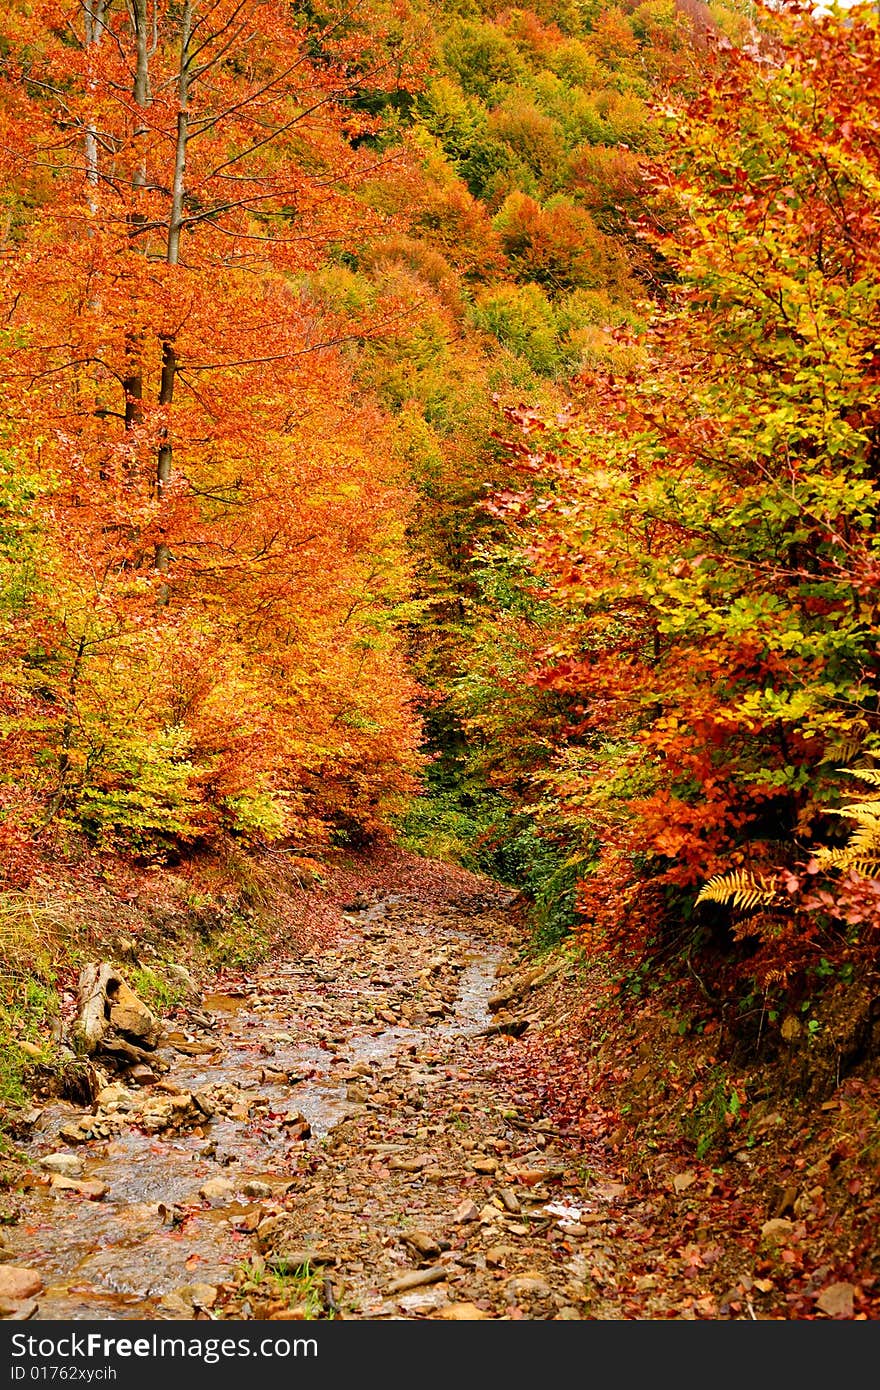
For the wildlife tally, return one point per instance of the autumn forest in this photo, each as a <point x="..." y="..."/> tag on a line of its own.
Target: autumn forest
<point x="439" y="581"/>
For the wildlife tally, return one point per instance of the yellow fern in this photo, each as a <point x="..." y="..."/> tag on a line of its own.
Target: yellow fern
<point x="861" y="853"/>
<point x="739" y="888"/>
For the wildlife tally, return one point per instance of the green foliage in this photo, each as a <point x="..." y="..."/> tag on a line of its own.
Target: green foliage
<point x="144" y="791"/>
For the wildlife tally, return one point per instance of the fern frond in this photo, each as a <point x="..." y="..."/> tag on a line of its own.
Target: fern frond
<point x="843" y="857"/>
<point x="739" y="888"/>
<point x="867" y="774"/>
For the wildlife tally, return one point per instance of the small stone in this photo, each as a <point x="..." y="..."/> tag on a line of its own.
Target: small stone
<point x="416" y="1278"/>
<point x="257" y="1189"/>
<point x="76" y="1132"/>
<point x="217" y="1191"/>
<point x="17" y="1311"/>
<point x="141" y="1074"/>
<point x="422" y="1243"/>
<point x="462" y="1312"/>
<point x="484" y="1164"/>
<point x="496" y="1256"/>
<point x="465" y="1212"/>
<point x="17" y="1282"/>
<point x="530" y="1285"/>
<point x="289" y="1261"/>
<point x="114" y="1094"/>
<point x="92" y="1188"/>
<point x="68" y="1164"/>
<point x="509" y="1198"/>
<point x="836" y="1301"/>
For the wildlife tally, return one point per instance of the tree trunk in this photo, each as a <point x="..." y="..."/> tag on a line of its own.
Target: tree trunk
<point x="165" y="457"/>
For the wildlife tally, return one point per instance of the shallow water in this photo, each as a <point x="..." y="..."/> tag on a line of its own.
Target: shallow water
<point x="152" y="1233"/>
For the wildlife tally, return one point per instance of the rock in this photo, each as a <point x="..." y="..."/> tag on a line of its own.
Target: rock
<point x="509" y="1198"/>
<point x="115" y="1094"/>
<point x="68" y="1164"/>
<point x="462" y="1312"/>
<point x="465" y="1212"/>
<point x="529" y="1285"/>
<point x="497" y="1255"/>
<point x="17" y="1282"/>
<point x="836" y="1301"/>
<point x="181" y="976"/>
<point x="196" y="1296"/>
<point x="141" y="1074"/>
<point x="256" y="1189"/>
<point x="109" y="1008"/>
<point x="217" y="1191"/>
<point x="77" y="1131"/>
<point x="17" y="1311"/>
<point x="423" y="1300"/>
<point x="777" y="1232"/>
<point x="166" y="1112"/>
<point x="422" y="1243"/>
<point x="483" y="1164"/>
<point x="297" y="1126"/>
<point x="92" y="1188"/>
<point x="131" y="1016"/>
<point x="416" y="1278"/>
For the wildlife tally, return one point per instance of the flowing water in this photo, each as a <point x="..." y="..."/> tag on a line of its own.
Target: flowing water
<point x="116" y="1257"/>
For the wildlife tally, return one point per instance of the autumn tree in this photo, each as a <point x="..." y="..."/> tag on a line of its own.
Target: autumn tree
<point x="217" y="522"/>
<point x="709" y="523"/>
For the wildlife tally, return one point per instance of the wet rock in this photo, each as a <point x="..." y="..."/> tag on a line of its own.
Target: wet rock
<point x="217" y="1191"/>
<point x="256" y="1189"/>
<point x="17" y="1310"/>
<point x="68" y="1164"/>
<point x="18" y="1282"/>
<point x="76" y="1131"/>
<point x="168" y="1112"/>
<point x="92" y="1188"/>
<point x="113" y="1095"/>
<point x="141" y="1074"/>
<point x="189" y="1299"/>
<point x="297" y="1126"/>
<point x="423" y="1300"/>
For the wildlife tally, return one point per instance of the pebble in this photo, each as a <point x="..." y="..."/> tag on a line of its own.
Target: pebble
<point x="71" y="1165"/>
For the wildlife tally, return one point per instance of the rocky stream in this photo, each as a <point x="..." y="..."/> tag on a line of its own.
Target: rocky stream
<point x="329" y="1136"/>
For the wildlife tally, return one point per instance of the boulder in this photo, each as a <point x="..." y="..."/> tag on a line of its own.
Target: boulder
<point x="18" y="1282"/>
<point x="111" y="1016"/>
